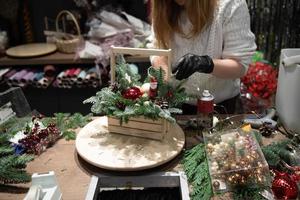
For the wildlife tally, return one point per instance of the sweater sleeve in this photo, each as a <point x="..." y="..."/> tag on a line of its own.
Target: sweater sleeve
<point x="238" y="40"/>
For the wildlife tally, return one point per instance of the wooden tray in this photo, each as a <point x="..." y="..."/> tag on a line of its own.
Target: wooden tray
<point x="31" y="50"/>
<point x="126" y="153"/>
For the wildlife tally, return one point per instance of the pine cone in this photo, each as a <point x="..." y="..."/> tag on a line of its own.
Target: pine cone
<point x="266" y="130"/>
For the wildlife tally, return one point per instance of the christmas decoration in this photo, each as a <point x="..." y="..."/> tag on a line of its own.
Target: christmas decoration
<point x="132" y="93"/>
<point x="235" y="159"/>
<point x="37" y="137"/>
<point x="153" y="88"/>
<point x="129" y="97"/>
<point x="284" y="187"/>
<point x="266" y="130"/>
<point x="145" y="88"/>
<point x="294" y="171"/>
<point x="37" y="132"/>
<point x="196" y="169"/>
<point x="258" y="86"/>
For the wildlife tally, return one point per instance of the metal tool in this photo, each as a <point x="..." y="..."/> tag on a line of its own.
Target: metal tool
<point x="259" y="121"/>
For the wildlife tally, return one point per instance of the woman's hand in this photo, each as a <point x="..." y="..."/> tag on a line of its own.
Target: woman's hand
<point x="221" y="68"/>
<point x="160" y="62"/>
<point x="190" y="63"/>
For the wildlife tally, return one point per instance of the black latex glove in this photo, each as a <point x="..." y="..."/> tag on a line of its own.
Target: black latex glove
<point x="190" y="63"/>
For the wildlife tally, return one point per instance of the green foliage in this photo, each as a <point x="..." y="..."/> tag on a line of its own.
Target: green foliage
<point x="11" y="169"/>
<point x="196" y="169"/>
<point x="124" y="75"/>
<point x="276" y="152"/>
<point x="248" y="193"/>
<point x="67" y="123"/>
<point x="109" y="101"/>
<point x="5" y="149"/>
<point x="12" y="166"/>
<point x="14" y="125"/>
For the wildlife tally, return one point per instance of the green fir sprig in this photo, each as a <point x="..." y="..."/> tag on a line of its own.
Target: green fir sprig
<point x="67" y="123"/>
<point x="12" y="166"/>
<point x="196" y="169"/>
<point x="276" y="152"/>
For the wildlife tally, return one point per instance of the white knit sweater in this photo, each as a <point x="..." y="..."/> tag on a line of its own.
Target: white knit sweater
<point x="229" y="36"/>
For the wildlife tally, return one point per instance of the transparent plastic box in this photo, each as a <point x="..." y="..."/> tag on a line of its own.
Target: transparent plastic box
<point x="235" y="159"/>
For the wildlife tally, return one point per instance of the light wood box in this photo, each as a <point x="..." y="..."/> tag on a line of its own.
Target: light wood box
<point x="140" y="127"/>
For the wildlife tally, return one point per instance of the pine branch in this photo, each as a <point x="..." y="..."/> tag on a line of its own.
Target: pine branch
<point x="5" y="150"/>
<point x="60" y="119"/>
<point x="14" y="176"/>
<point x="69" y="135"/>
<point x="196" y="169"/>
<point x="248" y="193"/>
<point x="11" y="169"/>
<point x="14" y="125"/>
<point x="276" y="152"/>
<point x="78" y="120"/>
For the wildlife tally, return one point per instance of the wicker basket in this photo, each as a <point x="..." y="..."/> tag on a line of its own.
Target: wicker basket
<point x="67" y="45"/>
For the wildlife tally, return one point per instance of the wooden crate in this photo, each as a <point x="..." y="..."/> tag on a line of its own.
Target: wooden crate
<point x="140" y="127"/>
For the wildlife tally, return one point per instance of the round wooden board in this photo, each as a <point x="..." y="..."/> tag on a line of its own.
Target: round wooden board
<point x="126" y="153"/>
<point x="31" y="50"/>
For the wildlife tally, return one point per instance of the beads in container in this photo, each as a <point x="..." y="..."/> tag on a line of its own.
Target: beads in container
<point x="235" y="159"/>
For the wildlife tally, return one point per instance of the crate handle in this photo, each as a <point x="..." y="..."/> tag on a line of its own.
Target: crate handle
<point x="138" y="51"/>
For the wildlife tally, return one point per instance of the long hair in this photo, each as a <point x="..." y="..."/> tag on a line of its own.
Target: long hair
<point x="166" y="18"/>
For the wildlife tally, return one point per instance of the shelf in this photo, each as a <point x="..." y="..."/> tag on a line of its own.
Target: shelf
<point x="58" y="58"/>
<point x="55" y="58"/>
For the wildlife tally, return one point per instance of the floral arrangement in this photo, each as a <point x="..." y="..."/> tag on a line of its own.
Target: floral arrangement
<point x="41" y="132"/>
<point x="258" y="87"/>
<point x="22" y="137"/>
<point x="129" y="97"/>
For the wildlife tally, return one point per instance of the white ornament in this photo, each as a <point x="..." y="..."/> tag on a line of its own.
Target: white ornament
<point x="145" y="88"/>
<point x="147" y="103"/>
<point x="128" y="78"/>
<point x="214" y="154"/>
<point x="145" y="95"/>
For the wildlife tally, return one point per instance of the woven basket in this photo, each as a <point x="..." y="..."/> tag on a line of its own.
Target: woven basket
<point x="67" y="45"/>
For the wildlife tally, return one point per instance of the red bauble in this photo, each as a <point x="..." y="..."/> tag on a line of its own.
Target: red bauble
<point x="132" y="93"/>
<point x="284" y="187"/>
